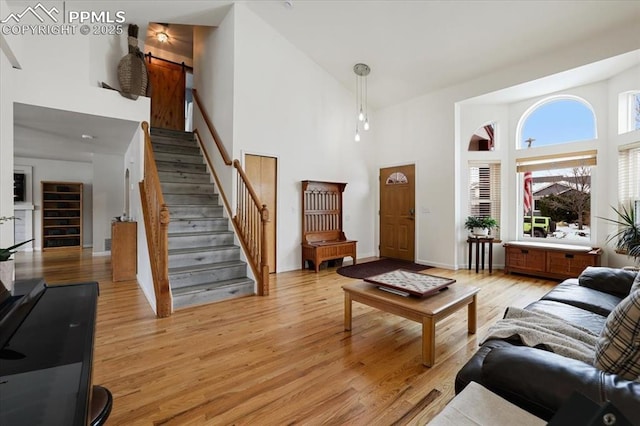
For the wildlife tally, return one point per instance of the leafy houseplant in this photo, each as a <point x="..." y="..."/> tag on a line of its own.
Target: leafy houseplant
<point x="627" y="238"/>
<point x="480" y="225"/>
<point x="5" y="253"/>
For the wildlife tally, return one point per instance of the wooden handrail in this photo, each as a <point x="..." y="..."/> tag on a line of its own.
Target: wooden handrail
<point x="251" y="218"/>
<point x="212" y="128"/>
<point x="156" y="222"/>
<point x="245" y="179"/>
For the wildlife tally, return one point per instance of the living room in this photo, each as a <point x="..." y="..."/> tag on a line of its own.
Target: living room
<point x="278" y="119"/>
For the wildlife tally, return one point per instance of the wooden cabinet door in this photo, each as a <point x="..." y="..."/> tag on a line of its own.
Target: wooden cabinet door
<point x="568" y="264"/>
<point x="263" y="174"/>
<point x="124" y="251"/>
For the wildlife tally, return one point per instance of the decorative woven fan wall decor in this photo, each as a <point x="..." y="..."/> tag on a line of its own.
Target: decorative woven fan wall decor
<point x="132" y="70"/>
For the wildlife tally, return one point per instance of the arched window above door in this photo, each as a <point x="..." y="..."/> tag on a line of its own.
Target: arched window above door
<point x="396" y="179"/>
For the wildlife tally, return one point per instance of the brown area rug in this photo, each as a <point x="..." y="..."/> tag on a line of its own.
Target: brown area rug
<point x="376" y="267"/>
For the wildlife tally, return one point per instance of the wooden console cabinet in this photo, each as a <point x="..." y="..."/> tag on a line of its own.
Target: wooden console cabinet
<point x="559" y="261"/>
<point x="124" y="251"/>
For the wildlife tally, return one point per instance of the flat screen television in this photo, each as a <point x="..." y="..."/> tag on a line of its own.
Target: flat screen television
<point x="19" y="187"/>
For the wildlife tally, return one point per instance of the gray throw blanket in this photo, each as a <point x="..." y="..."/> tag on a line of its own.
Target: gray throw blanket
<point x="536" y="328"/>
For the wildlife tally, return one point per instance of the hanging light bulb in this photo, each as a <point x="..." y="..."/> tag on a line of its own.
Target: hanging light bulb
<point x="361" y="71"/>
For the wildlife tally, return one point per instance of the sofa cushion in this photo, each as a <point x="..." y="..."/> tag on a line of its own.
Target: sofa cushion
<point x="608" y="280"/>
<point x="571" y="293"/>
<point x="471" y="372"/>
<point x="618" y="347"/>
<point x="580" y="317"/>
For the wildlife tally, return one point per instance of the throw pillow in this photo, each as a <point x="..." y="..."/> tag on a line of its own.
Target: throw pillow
<point x="636" y="283"/>
<point x="618" y="346"/>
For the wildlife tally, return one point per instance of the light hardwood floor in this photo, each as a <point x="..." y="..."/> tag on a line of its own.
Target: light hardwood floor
<point x="277" y="360"/>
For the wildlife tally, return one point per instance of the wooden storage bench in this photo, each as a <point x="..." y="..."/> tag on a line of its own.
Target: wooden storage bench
<point x="328" y="250"/>
<point x="559" y="261"/>
<point x="322" y="236"/>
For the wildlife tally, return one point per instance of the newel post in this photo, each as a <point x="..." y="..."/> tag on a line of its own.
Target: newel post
<point x="163" y="299"/>
<point x="264" y="254"/>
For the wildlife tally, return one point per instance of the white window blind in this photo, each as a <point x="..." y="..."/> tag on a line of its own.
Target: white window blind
<point x="560" y="161"/>
<point x="629" y="175"/>
<point x="484" y="192"/>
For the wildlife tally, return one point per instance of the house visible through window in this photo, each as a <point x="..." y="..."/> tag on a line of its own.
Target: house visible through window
<point x="560" y="204"/>
<point x="484" y="192"/>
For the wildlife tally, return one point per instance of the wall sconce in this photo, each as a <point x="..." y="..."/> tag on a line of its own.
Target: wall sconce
<point x="162" y="37"/>
<point x="361" y="71"/>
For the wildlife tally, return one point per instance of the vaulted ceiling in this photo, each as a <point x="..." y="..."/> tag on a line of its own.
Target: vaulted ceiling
<point x="413" y="47"/>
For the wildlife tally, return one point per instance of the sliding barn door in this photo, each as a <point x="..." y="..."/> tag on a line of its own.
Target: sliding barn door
<point x="167" y="94"/>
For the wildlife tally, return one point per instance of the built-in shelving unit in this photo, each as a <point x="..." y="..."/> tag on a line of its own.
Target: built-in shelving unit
<point x="61" y="215"/>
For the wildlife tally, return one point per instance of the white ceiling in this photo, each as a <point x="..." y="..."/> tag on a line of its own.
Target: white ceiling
<point x="55" y="134"/>
<point x="413" y="47"/>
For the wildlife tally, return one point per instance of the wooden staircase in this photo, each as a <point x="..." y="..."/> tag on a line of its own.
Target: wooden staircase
<point x="204" y="262"/>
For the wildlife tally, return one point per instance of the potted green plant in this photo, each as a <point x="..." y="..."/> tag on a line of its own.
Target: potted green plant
<point x="7" y="268"/>
<point x="480" y="226"/>
<point x="627" y="237"/>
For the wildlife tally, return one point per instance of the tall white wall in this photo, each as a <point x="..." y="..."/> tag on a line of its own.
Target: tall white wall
<point x="286" y="106"/>
<point x="6" y="132"/>
<point x="213" y="78"/>
<point x="6" y="147"/>
<point x="108" y="196"/>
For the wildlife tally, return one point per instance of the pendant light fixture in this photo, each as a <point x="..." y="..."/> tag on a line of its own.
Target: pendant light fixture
<point x="361" y="71"/>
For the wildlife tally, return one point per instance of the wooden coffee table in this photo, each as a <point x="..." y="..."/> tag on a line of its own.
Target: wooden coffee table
<point x="428" y="310"/>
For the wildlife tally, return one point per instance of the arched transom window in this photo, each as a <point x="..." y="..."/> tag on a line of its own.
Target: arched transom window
<point x="556" y="121"/>
<point x="397" y="178"/>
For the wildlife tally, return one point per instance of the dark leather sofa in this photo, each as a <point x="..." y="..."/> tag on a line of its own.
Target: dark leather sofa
<point x="540" y="381"/>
